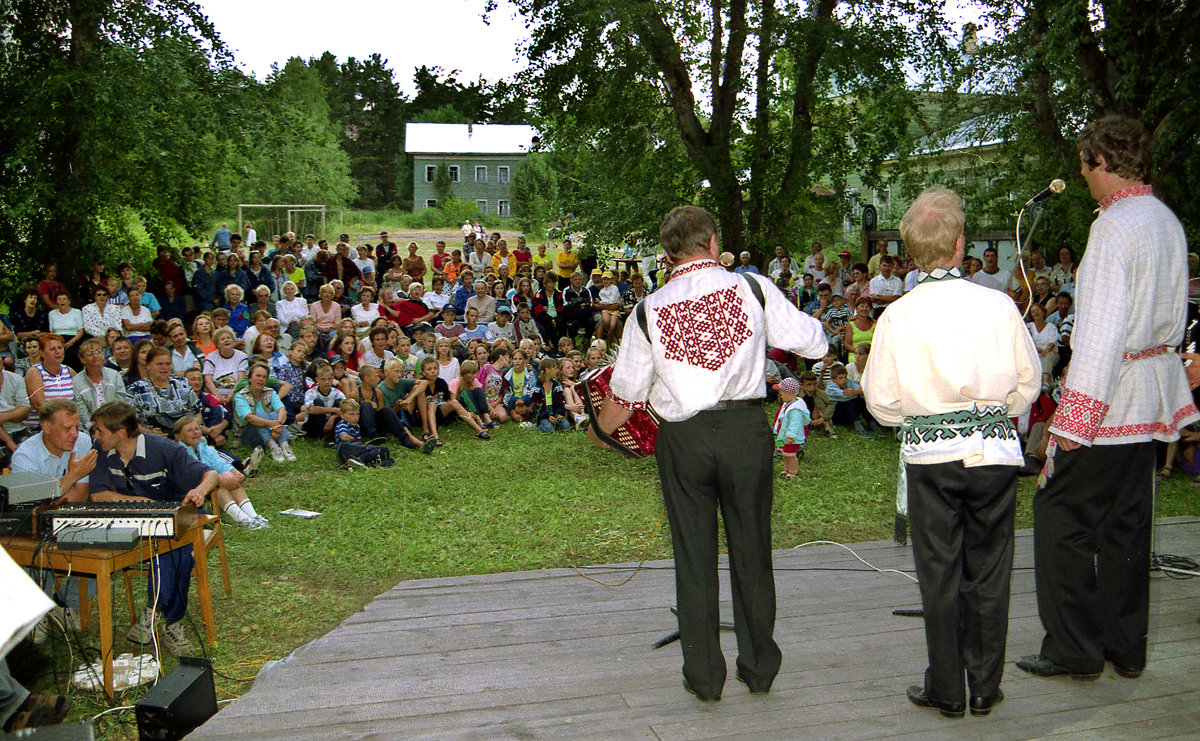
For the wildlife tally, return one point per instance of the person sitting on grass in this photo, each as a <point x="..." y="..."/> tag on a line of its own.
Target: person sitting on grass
<point x="440" y="404"/>
<point x="341" y="376"/>
<point x="378" y="354"/>
<point x="521" y="383"/>
<point x="491" y="377"/>
<point x="290" y="370"/>
<point x="214" y="417"/>
<point x="258" y="409"/>
<point x="347" y="438"/>
<point x="447" y="363"/>
<point x="789" y="425"/>
<point x="502" y="327"/>
<point x="405" y="396"/>
<point x="230" y="497"/>
<point x="548" y="405"/>
<point x="524" y="327"/>
<point x="569" y="378"/>
<point x="849" y="406"/>
<point x="377" y="419"/>
<point x="817" y="402"/>
<point x="322" y="401"/>
<point x="469" y="392"/>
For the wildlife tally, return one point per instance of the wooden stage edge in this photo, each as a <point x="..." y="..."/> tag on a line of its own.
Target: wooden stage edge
<point x="548" y="654"/>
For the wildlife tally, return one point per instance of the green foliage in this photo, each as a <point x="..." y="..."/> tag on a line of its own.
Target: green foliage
<point x="648" y="104"/>
<point x="1052" y="68"/>
<point x="443" y="185"/>
<point x="535" y="193"/>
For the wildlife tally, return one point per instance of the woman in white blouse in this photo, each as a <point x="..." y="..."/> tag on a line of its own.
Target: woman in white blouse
<point x="68" y="324"/>
<point x="290" y="309"/>
<point x="101" y="316"/>
<point x="1045" y="339"/>
<point x="365" y="312"/>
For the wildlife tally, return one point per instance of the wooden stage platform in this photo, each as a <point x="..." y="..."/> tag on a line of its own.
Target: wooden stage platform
<point x="548" y="654"/>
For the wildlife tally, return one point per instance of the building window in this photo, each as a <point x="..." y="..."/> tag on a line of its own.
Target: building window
<point x="502" y="208"/>
<point x="430" y="173"/>
<point x="502" y="174"/>
<point x="481" y="173"/>
<point x="453" y="173"/>
<point x="431" y="203"/>
<point x="481" y="204"/>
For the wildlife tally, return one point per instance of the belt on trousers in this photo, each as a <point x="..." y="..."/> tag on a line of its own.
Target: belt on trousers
<point x="734" y="404"/>
<point x="991" y="421"/>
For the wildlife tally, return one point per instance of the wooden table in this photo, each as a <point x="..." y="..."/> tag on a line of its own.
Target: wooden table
<point x="103" y="563"/>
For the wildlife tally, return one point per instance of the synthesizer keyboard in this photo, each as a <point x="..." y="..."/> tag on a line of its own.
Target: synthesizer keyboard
<point x="149" y="519"/>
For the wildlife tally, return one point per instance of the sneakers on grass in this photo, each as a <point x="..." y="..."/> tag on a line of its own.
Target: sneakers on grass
<point x="250" y="469"/>
<point x="175" y="640"/>
<point x="286" y="447"/>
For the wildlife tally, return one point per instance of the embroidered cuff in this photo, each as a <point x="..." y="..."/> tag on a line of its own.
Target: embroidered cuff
<point x="633" y="406"/>
<point x="1079" y="415"/>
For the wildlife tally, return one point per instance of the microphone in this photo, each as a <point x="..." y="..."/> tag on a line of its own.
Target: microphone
<point x="1056" y="186"/>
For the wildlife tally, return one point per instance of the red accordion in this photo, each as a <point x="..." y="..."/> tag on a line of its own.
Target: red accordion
<point x="635" y="438"/>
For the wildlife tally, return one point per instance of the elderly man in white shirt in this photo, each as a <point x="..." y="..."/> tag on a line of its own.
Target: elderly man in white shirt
<point x="694" y="350"/>
<point x="951" y="379"/>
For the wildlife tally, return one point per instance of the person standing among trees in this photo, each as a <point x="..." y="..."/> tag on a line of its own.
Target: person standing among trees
<point x="1125" y="389"/>
<point x="700" y="363"/>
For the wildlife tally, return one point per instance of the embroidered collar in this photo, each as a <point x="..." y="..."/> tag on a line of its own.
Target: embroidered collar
<point x="693" y="266"/>
<point x="938" y="274"/>
<point x="1136" y="190"/>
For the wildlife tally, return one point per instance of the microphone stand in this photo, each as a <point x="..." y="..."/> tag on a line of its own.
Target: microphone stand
<point x="1035" y="209"/>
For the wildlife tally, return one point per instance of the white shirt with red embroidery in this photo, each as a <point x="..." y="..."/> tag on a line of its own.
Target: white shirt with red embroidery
<point x="708" y="338"/>
<point x="1125" y="384"/>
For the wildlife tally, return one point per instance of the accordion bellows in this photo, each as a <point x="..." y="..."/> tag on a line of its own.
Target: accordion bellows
<point x="635" y="438"/>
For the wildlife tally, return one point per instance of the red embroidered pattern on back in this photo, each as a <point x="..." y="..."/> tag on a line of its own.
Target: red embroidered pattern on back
<point x="704" y="332"/>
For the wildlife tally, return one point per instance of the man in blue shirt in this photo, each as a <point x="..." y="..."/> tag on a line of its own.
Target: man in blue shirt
<point x="60" y="452"/>
<point x="133" y="466"/>
<point x="744" y="265"/>
<point x="221" y="240"/>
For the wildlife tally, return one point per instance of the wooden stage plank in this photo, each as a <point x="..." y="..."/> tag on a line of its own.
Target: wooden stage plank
<point x="548" y="654"/>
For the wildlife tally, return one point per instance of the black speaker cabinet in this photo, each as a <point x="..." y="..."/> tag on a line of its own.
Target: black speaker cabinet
<point x="179" y="703"/>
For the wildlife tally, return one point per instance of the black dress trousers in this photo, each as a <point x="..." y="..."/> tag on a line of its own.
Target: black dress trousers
<point x="721" y="459"/>
<point x="962" y="535"/>
<point x="1091" y="542"/>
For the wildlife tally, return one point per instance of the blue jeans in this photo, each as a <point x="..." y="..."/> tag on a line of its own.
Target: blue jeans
<point x="173" y="571"/>
<point x="545" y="425"/>
<point x="68" y="594"/>
<point x="255" y="437"/>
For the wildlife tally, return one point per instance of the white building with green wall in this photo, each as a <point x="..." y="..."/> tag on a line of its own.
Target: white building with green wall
<point x="480" y="162"/>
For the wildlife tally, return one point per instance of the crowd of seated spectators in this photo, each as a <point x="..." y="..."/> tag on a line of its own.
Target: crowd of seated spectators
<point x="500" y="335"/>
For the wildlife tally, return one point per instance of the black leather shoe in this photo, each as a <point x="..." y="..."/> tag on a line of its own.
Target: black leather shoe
<point x="916" y="695"/>
<point x="741" y="678"/>
<point x="688" y="686"/>
<point x="981" y="705"/>
<point x="1040" y="666"/>
<point x="1125" y="671"/>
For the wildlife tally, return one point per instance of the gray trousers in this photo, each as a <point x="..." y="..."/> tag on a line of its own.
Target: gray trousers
<point x="12" y="695"/>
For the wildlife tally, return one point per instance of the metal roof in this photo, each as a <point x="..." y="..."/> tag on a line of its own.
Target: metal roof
<point x="436" y="138"/>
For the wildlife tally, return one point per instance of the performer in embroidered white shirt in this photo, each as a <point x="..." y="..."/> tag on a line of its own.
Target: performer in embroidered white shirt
<point x="950" y="362"/>
<point x="699" y="362"/>
<point x="1124" y="390"/>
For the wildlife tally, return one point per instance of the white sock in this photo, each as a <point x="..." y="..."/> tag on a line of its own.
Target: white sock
<point x="248" y="509"/>
<point x="236" y="513"/>
<point x="272" y="444"/>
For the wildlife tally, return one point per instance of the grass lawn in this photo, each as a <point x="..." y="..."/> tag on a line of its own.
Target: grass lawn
<point x="524" y="500"/>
